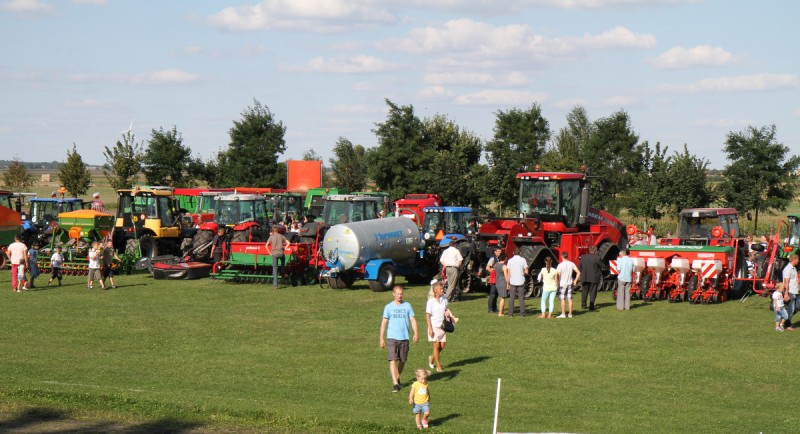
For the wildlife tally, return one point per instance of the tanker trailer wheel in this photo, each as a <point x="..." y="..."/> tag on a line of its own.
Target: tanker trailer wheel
<point x="341" y="281"/>
<point x="385" y="280"/>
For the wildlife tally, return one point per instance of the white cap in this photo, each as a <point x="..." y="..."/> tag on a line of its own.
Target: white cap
<point x="96" y="195"/>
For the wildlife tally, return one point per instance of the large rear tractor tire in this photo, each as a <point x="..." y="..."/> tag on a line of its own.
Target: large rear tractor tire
<point x="385" y="280"/>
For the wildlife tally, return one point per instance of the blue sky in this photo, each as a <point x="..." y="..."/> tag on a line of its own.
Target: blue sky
<point x="686" y="71"/>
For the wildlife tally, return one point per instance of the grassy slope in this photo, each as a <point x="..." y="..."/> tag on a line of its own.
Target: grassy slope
<point x="307" y="359"/>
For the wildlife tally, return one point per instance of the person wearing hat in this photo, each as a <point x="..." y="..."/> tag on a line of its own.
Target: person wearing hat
<point x="98" y="204"/>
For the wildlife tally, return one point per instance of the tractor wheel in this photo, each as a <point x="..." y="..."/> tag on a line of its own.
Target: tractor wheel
<point x="385" y="280"/>
<point x="532" y="287"/>
<point x="691" y="287"/>
<point x="149" y="246"/>
<point x="342" y="281"/>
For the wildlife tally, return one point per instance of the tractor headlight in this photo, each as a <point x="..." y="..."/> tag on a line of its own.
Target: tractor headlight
<point x="427" y="236"/>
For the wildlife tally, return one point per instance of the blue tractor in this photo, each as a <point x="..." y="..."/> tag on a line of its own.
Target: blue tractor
<point x="39" y="224"/>
<point x="443" y="225"/>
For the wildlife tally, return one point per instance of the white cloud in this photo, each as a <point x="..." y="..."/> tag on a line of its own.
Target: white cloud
<point x="193" y="49"/>
<point x="27" y="7"/>
<point x="521" y="5"/>
<point x="501" y="97"/>
<point x="167" y="76"/>
<point x="569" y="103"/>
<point x="435" y="92"/>
<point x="468" y="40"/>
<point x="621" y="101"/>
<point x="796" y="112"/>
<point x="90" y="2"/>
<point x="701" y="55"/>
<point x="741" y="83"/>
<point x="361" y="64"/>
<point x="470" y="78"/>
<point x="316" y="16"/>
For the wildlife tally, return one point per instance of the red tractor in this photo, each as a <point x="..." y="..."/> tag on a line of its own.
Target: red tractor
<point x="413" y="204"/>
<point x="555" y="217"/>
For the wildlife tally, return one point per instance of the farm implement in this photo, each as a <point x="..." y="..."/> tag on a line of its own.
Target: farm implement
<point x="251" y="262"/>
<point x="705" y="263"/>
<point x="74" y="232"/>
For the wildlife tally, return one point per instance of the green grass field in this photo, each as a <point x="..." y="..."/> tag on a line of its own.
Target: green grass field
<point x="221" y="356"/>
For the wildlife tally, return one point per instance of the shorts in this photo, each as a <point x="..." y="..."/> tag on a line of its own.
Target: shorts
<point x="108" y="271"/>
<point x="565" y="292"/>
<point x="439" y="335"/>
<point x="56" y="273"/>
<point x="94" y="274"/>
<point x="397" y="350"/>
<point x="781" y="314"/>
<point x="421" y="408"/>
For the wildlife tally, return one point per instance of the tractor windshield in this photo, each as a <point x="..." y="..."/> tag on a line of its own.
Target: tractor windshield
<point x="5" y="200"/>
<point x="794" y="231"/>
<point x="552" y="200"/>
<point x="434" y="221"/>
<point x="232" y="212"/>
<point x="286" y="207"/>
<point x="700" y="226"/>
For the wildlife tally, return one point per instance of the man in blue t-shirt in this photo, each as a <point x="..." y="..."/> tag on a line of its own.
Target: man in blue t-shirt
<point x="396" y="317"/>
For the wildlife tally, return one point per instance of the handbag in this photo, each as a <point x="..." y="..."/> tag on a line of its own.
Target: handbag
<point x="493" y="276"/>
<point x="448" y="326"/>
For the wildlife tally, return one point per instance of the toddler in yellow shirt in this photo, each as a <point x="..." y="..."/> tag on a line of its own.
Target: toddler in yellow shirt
<point x="420" y="398"/>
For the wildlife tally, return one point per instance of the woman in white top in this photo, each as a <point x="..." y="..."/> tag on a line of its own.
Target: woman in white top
<point x="548" y="277"/>
<point x="435" y="312"/>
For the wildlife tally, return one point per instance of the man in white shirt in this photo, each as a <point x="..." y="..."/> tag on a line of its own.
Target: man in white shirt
<point x="451" y="261"/>
<point x="517" y="270"/>
<point x="566" y="282"/>
<point x="790" y="283"/>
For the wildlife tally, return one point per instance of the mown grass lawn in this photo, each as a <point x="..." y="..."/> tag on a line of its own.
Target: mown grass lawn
<point x="245" y="357"/>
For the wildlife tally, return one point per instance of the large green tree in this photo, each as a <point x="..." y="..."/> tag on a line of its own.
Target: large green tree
<point x="251" y="159"/>
<point x="399" y="162"/>
<point x="566" y="151"/>
<point x="123" y="162"/>
<point x="614" y="159"/>
<point x="455" y="173"/>
<point x="166" y="160"/>
<point x="74" y="175"/>
<point x="761" y="174"/>
<point x="650" y="194"/>
<point x="348" y="165"/>
<point x="687" y="182"/>
<point x="17" y="177"/>
<point x="518" y="144"/>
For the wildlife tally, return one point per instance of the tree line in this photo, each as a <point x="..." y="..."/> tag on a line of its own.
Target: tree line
<point x="421" y="155"/>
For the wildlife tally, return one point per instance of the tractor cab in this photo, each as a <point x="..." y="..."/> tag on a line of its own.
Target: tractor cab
<point x="793" y="241"/>
<point x="553" y="197"/>
<point x="412" y="206"/>
<point x="696" y="227"/>
<point x="149" y="216"/>
<point x="46" y="210"/>
<point x="285" y="207"/>
<point x="234" y="209"/>
<point x="5" y="199"/>
<point x="346" y="208"/>
<point x="443" y="224"/>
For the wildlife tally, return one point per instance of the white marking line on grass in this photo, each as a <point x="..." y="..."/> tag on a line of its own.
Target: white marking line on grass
<point x="97" y="386"/>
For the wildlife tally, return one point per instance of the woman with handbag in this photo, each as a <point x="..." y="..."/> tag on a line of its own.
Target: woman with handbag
<point x="436" y="313"/>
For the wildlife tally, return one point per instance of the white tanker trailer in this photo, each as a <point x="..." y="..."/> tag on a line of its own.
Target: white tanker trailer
<point x="373" y="250"/>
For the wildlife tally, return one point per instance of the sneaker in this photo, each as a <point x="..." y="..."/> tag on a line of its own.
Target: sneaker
<point x="569" y="316"/>
<point x="48" y="283"/>
<point x="25" y="288"/>
<point x="396" y="388"/>
<point x="425" y="424"/>
<point x="778" y="329"/>
<point x="438" y="370"/>
<point x="430" y="362"/>
<point x="90" y="287"/>
<point x="561" y="316"/>
<point x="114" y="286"/>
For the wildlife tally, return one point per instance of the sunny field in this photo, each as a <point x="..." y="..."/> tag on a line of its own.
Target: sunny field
<point x="218" y="356"/>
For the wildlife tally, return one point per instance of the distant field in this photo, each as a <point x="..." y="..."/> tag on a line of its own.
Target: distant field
<point x="233" y="357"/>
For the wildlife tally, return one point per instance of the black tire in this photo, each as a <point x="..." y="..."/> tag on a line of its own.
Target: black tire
<point x="533" y="288"/>
<point x="385" y="280"/>
<point x="3" y="261"/>
<point x="341" y="281"/>
<point x="149" y="246"/>
<point x="691" y="287"/>
<point x="240" y="236"/>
